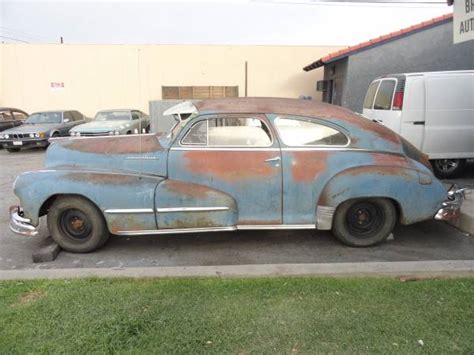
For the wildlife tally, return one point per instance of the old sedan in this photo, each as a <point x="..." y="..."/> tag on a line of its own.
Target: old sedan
<point x="234" y="164"/>
<point x="38" y="128"/>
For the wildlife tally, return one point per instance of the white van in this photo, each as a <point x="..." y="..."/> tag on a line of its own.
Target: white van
<point x="433" y="110"/>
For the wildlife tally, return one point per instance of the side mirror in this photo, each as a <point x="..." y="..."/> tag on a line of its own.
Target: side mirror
<point x="66" y="120"/>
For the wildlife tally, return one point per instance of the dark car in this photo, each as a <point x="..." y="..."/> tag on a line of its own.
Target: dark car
<point x="11" y="117"/>
<point x="39" y="127"/>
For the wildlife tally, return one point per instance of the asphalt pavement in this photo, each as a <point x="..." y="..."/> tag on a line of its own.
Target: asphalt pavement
<point x="426" y="241"/>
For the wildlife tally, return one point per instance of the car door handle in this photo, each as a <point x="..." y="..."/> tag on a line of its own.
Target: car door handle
<point x="419" y="122"/>
<point x="275" y="160"/>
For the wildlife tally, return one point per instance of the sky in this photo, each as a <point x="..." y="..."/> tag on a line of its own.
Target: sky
<point x="234" y="22"/>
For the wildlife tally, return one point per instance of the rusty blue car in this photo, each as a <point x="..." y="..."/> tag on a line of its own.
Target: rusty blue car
<point x="234" y="164"/>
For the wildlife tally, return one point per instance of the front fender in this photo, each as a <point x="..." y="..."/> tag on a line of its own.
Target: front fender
<point x="418" y="198"/>
<point x="108" y="191"/>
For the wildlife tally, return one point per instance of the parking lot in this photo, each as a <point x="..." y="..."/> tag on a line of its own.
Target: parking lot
<point x="430" y="240"/>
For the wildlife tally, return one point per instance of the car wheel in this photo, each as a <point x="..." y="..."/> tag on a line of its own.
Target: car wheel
<point x="147" y="129"/>
<point x="76" y="224"/>
<point x="13" y="150"/>
<point x="364" y="222"/>
<point x="448" y="168"/>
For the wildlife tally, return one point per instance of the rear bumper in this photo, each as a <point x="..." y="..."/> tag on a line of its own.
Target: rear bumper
<point x="451" y="207"/>
<point x="19" y="224"/>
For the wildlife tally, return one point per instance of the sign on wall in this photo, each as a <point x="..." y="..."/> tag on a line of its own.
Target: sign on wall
<point x="56" y="86"/>
<point x="463" y="21"/>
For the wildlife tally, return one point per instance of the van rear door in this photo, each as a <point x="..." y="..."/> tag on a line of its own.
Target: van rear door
<point x="382" y="110"/>
<point x="368" y="109"/>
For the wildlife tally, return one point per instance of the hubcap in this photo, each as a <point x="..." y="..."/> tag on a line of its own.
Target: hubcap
<point x="364" y="219"/>
<point x="447" y="165"/>
<point x="75" y="224"/>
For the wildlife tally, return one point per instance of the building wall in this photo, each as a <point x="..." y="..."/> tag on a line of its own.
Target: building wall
<point x="112" y="76"/>
<point x="428" y="50"/>
<point x="337" y="72"/>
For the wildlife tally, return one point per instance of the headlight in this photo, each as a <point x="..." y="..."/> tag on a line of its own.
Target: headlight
<point x="7" y="136"/>
<point x="72" y="134"/>
<point x="37" y="135"/>
<point x="78" y="134"/>
<point x="116" y="133"/>
<point x="111" y="133"/>
<point x="135" y="131"/>
<point x="32" y="135"/>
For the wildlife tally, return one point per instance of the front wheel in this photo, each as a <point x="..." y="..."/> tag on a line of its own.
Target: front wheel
<point x="448" y="168"/>
<point x="76" y="224"/>
<point x="13" y="150"/>
<point x="364" y="222"/>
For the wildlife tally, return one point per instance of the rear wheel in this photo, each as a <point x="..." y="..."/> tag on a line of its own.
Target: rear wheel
<point x="76" y="224"/>
<point x="448" y="168"/>
<point x="364" y="222"/>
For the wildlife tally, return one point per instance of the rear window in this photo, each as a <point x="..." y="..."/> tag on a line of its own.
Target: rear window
<point x="369" y="97"/>
<point x="383" y="101"/>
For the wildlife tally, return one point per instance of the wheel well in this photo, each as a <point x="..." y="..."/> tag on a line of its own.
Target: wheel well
<point x="48" y="203"/>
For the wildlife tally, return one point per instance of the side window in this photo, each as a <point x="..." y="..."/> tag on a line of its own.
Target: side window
<point x="5" y="116"/>
<point x="19" y="115"/>
<point x="298" y="132"/>
<point x="383" y="101"/>
<point x="229" y="131"/>
<point x="135" y="115"/>
<point x="77" y="116"/>
<point x="369" y="97"/>
<point x="67" y="116"/>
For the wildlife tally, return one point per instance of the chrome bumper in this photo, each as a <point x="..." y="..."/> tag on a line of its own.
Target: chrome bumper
<point x="20" y="224"/>
<point x="452" y="205"/>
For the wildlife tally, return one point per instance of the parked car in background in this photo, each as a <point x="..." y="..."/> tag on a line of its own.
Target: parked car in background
<point x="11" y="117"/>
<point x="114" y="122"/>
<point x="433" y="111"/>
<point x="39" y="127"/>
<point x="234" y="164"/>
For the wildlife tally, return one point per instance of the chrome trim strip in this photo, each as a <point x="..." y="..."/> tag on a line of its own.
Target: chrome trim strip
<point x="190" y="209"/>
<point x="274" y="226"/>
<point x="309" y="148"/>
<point x="128" y="210"/>
<point x="250" y="149"/>
<point x="324" y="216"/>
<point x="177" y="231"/>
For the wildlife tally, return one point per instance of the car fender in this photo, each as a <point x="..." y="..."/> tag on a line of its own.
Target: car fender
<point x="126" y="200"/>
<point x="416" y="197"/>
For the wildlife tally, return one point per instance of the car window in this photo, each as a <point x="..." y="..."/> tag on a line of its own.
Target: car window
<point x="77" y="116"/>
<point x="68" y="116"/>
<point x="45" y="117"/>
<point x="135" y="115"/>
<point x="5" y="116"/>
<point x="369" y="97"/>
<point x="383" y="100"/>
<point x="229" y="131"/>
<point x="296" y="132"/>
<point x="19" y="115"/>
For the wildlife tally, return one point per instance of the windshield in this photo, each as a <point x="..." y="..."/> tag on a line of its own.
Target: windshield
<point x="45" y="117"/>
<point x="113" y="116"/>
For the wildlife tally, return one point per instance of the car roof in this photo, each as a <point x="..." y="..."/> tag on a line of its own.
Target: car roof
<point x="11" y="108"/>
<point x="286" y="106"/>
<point x="119" y="109"/>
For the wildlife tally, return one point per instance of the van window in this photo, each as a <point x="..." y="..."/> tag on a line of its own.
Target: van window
<point x="383" y="101"/>
<point x="369" y="97"/>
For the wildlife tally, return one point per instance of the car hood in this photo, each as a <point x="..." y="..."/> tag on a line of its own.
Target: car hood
<point x="32" y="128"/>
<point x="100" y="126"/>
<point x="142" y="154"/>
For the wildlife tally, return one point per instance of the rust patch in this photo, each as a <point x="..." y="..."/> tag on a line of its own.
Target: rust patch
<point x="99" y="178"/>
<point x="380" y="170"/>
<point x="259" y="222"/>
<point x="126" y="144"/>
<point x="307" y="166"/>
<point x="186" y="188"/>
<point x="390" y="160"/>
<point x="231" y="166"/>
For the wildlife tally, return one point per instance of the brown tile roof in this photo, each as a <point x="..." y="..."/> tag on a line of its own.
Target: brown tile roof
<point x="378" y="41"/>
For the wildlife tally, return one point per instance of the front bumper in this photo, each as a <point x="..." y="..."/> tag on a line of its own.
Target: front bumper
<point x="20" y="143"/>
<point x="451" y="207"/>
<point x="19" y="224"/>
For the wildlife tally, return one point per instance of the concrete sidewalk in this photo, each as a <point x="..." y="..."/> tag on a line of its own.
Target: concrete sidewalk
<point x="465" y="222"/>
<point x="408" y="269"/>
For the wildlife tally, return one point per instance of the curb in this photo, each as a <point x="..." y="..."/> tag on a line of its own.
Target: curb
<point x="424" y="269"/>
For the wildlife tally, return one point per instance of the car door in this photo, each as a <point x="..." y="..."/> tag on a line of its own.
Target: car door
<point x="237" y="155"/>
<point x="68" y="123"/>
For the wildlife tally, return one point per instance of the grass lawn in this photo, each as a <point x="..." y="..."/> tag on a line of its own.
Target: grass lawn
<point x="282" y="315"/>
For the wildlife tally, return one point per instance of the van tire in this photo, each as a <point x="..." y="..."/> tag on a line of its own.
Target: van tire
<point x="364" y="222"/>
<point x="448" y="168"/>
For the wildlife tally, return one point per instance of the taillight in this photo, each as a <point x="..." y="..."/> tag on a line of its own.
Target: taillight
<point x="398" y="100"/>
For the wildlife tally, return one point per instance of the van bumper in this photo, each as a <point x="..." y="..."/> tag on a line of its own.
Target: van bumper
<point x="451" y="207"/>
